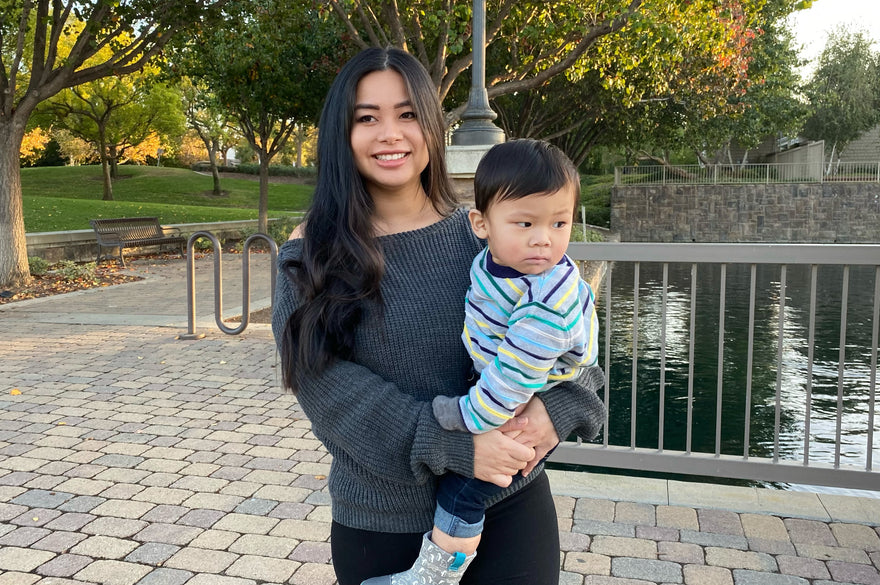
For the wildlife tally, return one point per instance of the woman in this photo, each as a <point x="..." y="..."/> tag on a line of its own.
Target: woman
<point x="368" y="314"/>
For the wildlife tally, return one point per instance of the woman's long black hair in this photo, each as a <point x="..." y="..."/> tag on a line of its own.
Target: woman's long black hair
<point x="342" y="262"/>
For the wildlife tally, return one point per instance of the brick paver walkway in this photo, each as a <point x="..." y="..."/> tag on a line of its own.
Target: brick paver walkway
<point x="130" y="457"/>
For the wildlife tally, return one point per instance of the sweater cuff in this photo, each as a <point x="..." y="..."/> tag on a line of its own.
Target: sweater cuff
<point x="441" y="450"/>
<point x="575" y="407"/>
<point x="447" y="411"/>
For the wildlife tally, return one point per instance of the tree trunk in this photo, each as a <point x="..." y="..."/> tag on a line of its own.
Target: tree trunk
<point x="263" y="213"/>
<point x="14" y="271"/>
<point x="105" y="172"/>
<point x="213" y="147"/>
<point x="114" y="162"/>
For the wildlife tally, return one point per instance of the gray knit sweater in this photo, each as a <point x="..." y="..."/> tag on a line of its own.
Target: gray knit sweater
<point x="374" y="413"/>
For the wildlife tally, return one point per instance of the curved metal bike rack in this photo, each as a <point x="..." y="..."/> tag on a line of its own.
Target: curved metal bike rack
<point x="218" y="282"/>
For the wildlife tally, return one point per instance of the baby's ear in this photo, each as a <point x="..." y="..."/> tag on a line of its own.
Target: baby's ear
<point x="478" y="223"/>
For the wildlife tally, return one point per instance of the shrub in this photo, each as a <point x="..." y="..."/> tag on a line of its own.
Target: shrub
<point x="70" y="270"/>
<point x="37" y="266"/>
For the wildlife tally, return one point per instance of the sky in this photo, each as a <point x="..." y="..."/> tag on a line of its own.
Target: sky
<point x="811" y="26"/>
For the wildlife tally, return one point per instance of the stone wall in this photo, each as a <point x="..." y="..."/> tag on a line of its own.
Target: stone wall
<point x="805" y="213"/>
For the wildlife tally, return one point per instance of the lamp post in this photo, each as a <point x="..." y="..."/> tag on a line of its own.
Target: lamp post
<point x="476" y="127"/>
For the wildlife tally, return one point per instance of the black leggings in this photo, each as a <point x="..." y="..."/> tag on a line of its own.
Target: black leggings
<point x="520" y="545"/>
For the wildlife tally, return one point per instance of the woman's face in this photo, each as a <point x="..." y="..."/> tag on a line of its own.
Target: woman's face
<point x="386" y="139"/>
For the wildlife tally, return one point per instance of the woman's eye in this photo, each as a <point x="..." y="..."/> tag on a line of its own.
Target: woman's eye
<point x="408" y="115"/>
<point x="365" y="118"/>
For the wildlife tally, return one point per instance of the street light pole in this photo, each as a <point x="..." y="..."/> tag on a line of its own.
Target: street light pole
<point x="476" y="126"/>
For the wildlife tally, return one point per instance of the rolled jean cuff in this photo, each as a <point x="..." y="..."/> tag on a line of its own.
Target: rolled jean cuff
<point x="455" y="526"/>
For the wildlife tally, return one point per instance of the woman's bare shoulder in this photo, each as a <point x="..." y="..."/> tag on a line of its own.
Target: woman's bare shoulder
<point x="298" y="232"/>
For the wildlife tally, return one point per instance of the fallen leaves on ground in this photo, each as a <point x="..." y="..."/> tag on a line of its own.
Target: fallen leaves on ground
<point x="107" y="274"/>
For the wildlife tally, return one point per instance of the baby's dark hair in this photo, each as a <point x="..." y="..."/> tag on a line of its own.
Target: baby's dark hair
<point x="523" y="167"/>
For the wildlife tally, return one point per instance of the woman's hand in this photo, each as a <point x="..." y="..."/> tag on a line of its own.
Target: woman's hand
<point x="498" y="458"/>
<point x="538" y="432"/>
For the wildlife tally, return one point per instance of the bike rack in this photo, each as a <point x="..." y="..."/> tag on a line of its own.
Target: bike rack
<point x="218" y="283"/>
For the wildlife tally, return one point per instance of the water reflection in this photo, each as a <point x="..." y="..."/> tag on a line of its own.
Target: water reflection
<point x="747" y="422"/>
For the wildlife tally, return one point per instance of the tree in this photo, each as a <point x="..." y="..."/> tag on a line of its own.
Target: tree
<point x="117" y="114"/>
<point x="33" y="69"/>
<point x="844" y="91"/>
<point x="272" y="71"/>
<point x="211" y="122"/>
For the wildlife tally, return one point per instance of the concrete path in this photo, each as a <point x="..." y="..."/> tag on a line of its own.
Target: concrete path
<point x="129" y="456"/>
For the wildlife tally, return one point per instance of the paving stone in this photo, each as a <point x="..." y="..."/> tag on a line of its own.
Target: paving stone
<point x="264" y="546"/>
<point x="109" y="526"/>
<point x="165" y="576"/>
<point x="113" y="573"/>
<point x="302" y="530"/>
<point x="64" y="565"/>
<point x="152" y="553"/>
<point x="856" y="536"/>
<point x="738" y="559"/>
<point x="712" y="539"/>
<point x="678" y="517"/>
<point x="212" y="502"/>
<point x="162" y="495"/>
<point x="36" y="517"/>
<point x="81" y="504"/>
<point x="24" y="537"/>
<point x="809" y="532"/>
<point x="70" y="521"/>
<point x="627" y="547"/>
<point x="312" y="552"/>
<point x="863" y="574"/>
<point x="165" y="514"/>
<point x="833" y="553"/>
<point x="705" y="575"/>
<point x="15" y="578"/>
<point x="603" y="528"/>
<point x="123" y="509"/>
<point x="720" y="522"/>
<point x="681" y="552"/>
<point x="802" y="567"/>
<point x="746" y="577"/>
<point x="201" y="518"/>
<point x="104" y="547"/>
<point x="256" y="506"/>
<point x="202" y="579"/>
<point x="646" y="569"/>
<point x="291" y="510"/>
<point x="657" y="533"/>
<point x="201" y="560"/>
<point x="249" y="524"/>
<point x="762" y="526"/>
<point x="313" y="574"/>
<point x="261" y="569"/>
<point x="59" y="542"/>
<point x="215" y="539"/>
<point x="25" y="560"/>
<point x="168" y="534"/>
<point x="42" y="499"/>
<point x="587" y="563"/>
<point x="635" y="513"/>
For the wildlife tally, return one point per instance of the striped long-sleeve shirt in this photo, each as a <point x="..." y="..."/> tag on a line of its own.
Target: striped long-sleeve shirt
<point x="525" y="333"/>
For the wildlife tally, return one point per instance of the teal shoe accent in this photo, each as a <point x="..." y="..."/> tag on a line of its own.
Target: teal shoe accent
<point x="458" y="561"/>
<point x="383" y="580"/>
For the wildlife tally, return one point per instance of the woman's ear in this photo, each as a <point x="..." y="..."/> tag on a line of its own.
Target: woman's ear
<point x="478" y="224"/>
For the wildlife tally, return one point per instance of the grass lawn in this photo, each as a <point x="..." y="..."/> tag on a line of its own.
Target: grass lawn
<point x="66" y="198"/>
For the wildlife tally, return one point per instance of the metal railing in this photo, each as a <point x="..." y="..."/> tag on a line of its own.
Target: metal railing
<point x="779" y="317"/>
<point x="722" y="174"/>
<point x="218" y="282"/>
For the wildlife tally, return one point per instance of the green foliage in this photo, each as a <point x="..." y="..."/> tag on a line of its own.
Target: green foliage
<point x="38" y="266"/>
<point x="844" y="91"/>
<point x="280" y="230"/>
<point x="70" y="270"/>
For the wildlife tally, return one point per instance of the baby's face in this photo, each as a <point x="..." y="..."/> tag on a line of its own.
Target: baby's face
<point x="529" y="234"/>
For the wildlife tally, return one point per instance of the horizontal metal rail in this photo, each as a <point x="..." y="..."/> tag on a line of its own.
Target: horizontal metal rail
<point x="721" y="174"/>
<point x="839" y="464"/>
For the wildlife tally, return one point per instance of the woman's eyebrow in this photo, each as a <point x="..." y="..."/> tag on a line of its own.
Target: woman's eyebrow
<point x="403" y="104"/>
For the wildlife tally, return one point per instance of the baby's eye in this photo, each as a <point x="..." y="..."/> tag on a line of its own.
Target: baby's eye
<point x="524" y="224"/>
<point x="560" y="224"/>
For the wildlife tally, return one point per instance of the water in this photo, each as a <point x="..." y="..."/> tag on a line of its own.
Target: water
<point x="760" y="410"/>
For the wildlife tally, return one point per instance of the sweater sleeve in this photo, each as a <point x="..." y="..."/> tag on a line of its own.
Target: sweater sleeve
<point x="575" y="406"/>
<point x="360" y="415"/>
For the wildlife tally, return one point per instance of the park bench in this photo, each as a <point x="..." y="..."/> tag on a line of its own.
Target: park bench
<point x="133" y="232"/>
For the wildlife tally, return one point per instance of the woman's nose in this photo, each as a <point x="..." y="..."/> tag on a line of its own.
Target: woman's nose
<point x="390" y="131"/>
